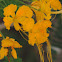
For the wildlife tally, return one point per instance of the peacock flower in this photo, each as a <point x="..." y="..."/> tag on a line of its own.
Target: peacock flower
<point x="23" y="16"/>
<point x="3" y="52"/>
<point x="39" y="33"/>
<point x="44" y="7"/>
<point x="10" y="42"/>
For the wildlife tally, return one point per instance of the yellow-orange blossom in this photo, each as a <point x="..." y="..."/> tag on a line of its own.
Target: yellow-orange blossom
<point x="6" y="43"/>
<point x="37" y="31"/>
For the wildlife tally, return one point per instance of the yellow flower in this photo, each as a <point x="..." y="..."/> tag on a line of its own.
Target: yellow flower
<point x="3" y="52"/>
<point x="44" y="7"/>
<point x="10" y="10"/>
<point x="39" y="34"/>
<point x="10" y="42"/>
<point x="56" y="4"/>
<point x="24" y="14"/>
<point x="0" y="35"/>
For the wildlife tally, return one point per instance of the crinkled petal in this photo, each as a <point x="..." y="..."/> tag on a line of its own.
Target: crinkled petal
<point x="41" y="37"/>
<point x="6" y="42"/>
<point x="10" y="10"/>
<point x="16" y="44"/>
<point x="46" y="24"/>
<point x="56" y="4"/>
<point x="7" y="22"/>
<point x="24" y="11"/>
<point x="3" y="52"/>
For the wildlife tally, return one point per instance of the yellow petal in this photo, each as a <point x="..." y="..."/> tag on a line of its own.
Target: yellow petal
<point x="7" y="22"/>
<point x="36" y="4"/>
<point x="1" y="56"/>
<point x="10" y="10"/>
<point x="6" y="42"/>
<point x="14" y="54"/>
<point x="24" y="11"/>
<point x="0" y="35"/>
<point x="10" y="42"/>
<point x="28" y="24"/>
<point x="17" y="26"/>
<point x="3" y="52"/>
<point x="16" y="44"/>
<point x="32" y="39"/>
<point x="46" y="23"/>
<point x="41" y="37"/>
<point x="56" y="4"/>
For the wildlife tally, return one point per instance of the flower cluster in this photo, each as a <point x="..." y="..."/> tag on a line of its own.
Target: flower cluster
<point x="44" y="8"/>
<point x="6" y="43"/>
<point x="39" y="34"/>
<point x="23" y="16"/>
<point x="23" y="20"/>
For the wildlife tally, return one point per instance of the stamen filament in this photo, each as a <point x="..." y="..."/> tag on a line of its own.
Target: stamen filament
<point x="49" y="56"/>
<point x="22" y="36"/>
<point x="40" y="52"/>
<point x="24" y="32"/>
<point x="4" y="2"/>
<point x="56" y="12"/>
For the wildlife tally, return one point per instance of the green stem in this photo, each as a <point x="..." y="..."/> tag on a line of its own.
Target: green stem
<point x="2" y="35"/>
<point x="22" y="2"/>
<point x="4" y="2"/>
<point x="27" y="1"/>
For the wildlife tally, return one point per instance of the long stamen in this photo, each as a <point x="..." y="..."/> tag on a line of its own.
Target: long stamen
<point x="53" y="18"/>
<point x="24" y="32"/>
<point x="22" y="36"/>
<point x="40" y="52"/>
<point x="56" y="12"/>
<point x="49" y="56"/>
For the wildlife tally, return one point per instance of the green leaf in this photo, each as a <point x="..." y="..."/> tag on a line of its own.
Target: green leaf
<point x="15" y="60"/>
